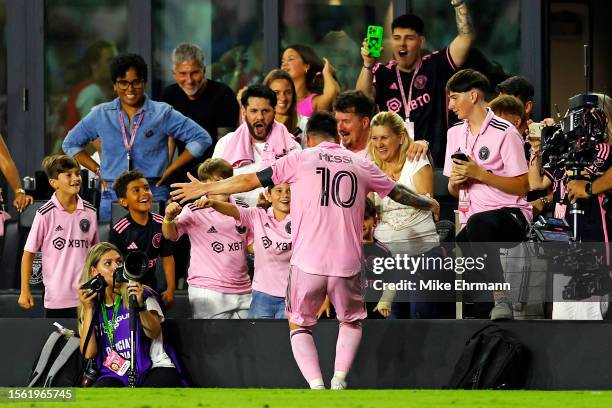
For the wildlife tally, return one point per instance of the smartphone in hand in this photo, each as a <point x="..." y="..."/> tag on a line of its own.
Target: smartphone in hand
<point x="374" y="40"/>
<point x="459" y="156"/>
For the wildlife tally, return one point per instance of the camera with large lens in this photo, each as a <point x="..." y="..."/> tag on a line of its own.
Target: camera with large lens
<point x="135" y="266"/>
<point x="573" y="144"/>
<point x="96" y="284"/>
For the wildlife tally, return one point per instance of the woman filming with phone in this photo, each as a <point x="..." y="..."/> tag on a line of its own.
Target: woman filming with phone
<point x="104" y="303"/>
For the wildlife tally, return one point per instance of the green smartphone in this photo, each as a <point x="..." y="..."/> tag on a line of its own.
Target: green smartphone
<point x="374" y="40"/>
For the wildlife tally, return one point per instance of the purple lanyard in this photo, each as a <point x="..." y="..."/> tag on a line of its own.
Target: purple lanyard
<point x="128" y="146"/>
<point x="401" y="87"/>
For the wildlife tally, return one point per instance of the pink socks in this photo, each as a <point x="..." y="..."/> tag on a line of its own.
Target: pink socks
<point x="349" y="338"/>
<point x="306" y="357"/>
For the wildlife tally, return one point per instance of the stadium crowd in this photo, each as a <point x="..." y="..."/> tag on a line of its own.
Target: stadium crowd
<point x="312" y="180"/>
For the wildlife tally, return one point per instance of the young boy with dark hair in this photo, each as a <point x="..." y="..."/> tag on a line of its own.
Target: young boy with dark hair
<point x="141" y="230"/>
<point x="219" y="285"/>
<point x="491" y="184"/>
<point x="63" y="230"/>
<point x="373" y="249"/>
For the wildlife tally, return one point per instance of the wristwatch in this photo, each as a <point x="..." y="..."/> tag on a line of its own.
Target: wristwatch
<point x="588" y="188"/>
<point x="20" y="191"/>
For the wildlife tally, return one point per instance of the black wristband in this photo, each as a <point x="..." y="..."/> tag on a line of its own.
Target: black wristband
<point x="588" y="188"/>
<point x="265" y="177"/>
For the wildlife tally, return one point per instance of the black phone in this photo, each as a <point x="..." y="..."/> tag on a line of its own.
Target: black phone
<point x="459" y="156"/>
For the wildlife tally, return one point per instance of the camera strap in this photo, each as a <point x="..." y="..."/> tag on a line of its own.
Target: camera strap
<point x="110" y="325"/>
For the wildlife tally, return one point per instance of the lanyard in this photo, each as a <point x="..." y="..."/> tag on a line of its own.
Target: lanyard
<point x="128" y="146"/>
<point x="110" y="326"/>
<point x="401" y="87"/>
<point x="467" y="132"/>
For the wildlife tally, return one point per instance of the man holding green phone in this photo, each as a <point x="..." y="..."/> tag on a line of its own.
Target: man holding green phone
<point x="412" y="84"/>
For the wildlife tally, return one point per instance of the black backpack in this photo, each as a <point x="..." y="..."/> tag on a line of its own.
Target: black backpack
<point x="491" y="359"/>
<point x="59" y="363"/>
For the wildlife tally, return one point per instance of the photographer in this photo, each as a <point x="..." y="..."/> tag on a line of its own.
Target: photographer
<point x="104" y="303"/>
<point x="595" y="223"/>
<point x="577" y="189"/>
<point x="594" y="226"/>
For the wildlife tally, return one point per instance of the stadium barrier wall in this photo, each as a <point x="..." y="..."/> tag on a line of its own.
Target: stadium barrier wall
<point x="564" y="355"/>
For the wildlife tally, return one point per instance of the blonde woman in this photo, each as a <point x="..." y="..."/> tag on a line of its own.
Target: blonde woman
<point x="403" y="229"/>
<point x="156" y="364"/>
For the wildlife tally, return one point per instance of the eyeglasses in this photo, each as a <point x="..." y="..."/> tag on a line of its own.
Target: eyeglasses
<point x="136" y="84"/>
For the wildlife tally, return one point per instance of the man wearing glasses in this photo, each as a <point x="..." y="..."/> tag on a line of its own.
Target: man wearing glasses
<point x="134" y="131"/>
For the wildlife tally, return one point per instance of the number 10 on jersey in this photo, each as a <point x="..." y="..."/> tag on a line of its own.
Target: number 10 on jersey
<point x="330" y="186"/>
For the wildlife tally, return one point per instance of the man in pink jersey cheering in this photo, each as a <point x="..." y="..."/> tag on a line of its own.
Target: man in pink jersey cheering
<point x="326" y="236"/>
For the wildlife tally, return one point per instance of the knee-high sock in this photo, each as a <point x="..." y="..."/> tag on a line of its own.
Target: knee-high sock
<point x="349" y="338"/>
<point x="305" y="354"/>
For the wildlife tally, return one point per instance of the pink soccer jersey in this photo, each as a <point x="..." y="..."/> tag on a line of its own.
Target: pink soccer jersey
<point x="218" y="250"/>
<point x="499" y="150"/>
<point x="329" y="185"/>
<point x="272" y="246"/>
<point x="64" y="239"/>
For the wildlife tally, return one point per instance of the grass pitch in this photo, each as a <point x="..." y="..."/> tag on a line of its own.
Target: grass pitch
<point x="264" y="398"/>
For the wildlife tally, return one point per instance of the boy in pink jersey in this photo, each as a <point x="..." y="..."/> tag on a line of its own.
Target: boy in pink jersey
<point x="63" y="230"/>
<point x="272" y="246"/>
<point x="219" y="285"/>
<point x="492" y="184"/>
<point x="328" y="189"/>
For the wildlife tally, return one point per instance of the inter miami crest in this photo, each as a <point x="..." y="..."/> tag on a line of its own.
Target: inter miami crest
<point x="288" y="227"/>
<point x="483" y="153"/>
<point x="84" y="224"/>
<point x="156" y="241"/>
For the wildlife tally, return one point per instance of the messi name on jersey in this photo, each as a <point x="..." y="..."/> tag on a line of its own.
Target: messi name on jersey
<point x="334" y="158"/>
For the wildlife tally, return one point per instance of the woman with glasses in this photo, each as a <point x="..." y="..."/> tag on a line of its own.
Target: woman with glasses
<point x="134" y="132"/>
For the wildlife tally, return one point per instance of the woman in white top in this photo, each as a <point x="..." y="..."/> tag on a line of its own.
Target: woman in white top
<point x="403" y="229"/>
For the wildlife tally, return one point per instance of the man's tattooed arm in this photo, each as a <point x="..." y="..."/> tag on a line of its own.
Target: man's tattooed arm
<point x="404" y="195"/>
<point x="464" y="20"/>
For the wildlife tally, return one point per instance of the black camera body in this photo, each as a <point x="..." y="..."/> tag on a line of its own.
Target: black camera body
<point x="135" y="266"/>
<point x="96" y="284"/>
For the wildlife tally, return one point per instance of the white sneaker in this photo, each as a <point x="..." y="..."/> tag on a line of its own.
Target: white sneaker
<point x="317" y="384"/>
<point x="338" y="384"/>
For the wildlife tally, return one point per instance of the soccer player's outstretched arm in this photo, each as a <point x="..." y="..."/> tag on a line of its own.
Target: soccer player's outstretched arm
<point x="195" y="188"/>
<point x="404" y="195"/>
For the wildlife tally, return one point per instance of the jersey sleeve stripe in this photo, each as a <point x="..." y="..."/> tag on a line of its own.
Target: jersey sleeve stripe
<point x="43" y="211"/>
<point x="241" y="203"/>
<point x="121" y="225"/>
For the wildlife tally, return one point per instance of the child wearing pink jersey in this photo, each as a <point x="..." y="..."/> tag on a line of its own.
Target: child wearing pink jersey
<point x="63" y="230"/>
<point x="219" y="285"/>
<point x="492" y="185"/>
<point x="328" y="189"/>
<point x="272" y="246"/>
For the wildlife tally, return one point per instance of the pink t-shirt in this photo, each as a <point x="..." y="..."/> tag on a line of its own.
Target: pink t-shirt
<point x="64" y="239"/>
<point x="218" y="250"/>
<point x="329" y="185"/>
<point x="272" y="247"/>
<point x="498" y="149"/>
<point x="304" y="107"/>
